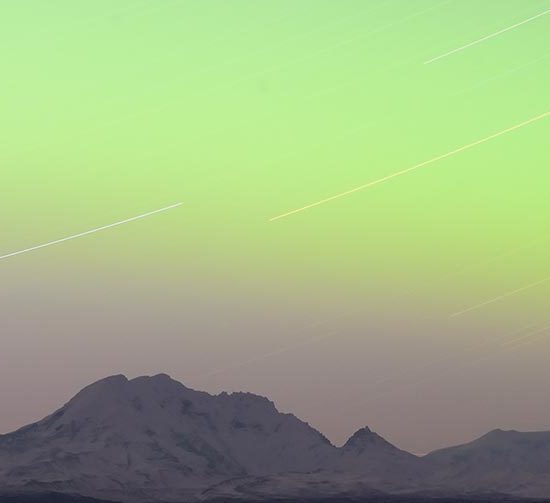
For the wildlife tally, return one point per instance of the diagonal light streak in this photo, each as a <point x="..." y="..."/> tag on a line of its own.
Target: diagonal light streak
<point x="501" y="297"/>
<point x="299" y="344"/>
<point x="457" y="368"/>
<point x="500" y="75"/>
<point x="81" y="234"/>
<point x="412" y="168"/>
<point x="487" y="37"/>
<point x="527" y="336"/>
<point x="265" y="356"/>
<point x="454" y="356"/>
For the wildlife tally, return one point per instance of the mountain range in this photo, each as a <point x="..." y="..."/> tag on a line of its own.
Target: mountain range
<point x="153" y="439"/>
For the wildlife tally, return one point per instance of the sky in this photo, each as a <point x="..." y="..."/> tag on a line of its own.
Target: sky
<point x="409" y="292"/>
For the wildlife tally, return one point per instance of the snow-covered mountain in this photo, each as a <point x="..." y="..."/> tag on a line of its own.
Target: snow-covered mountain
<point x="153" y="438"/>
<point x="153" y="434"/>
<point x="373" y="460"/>
<point x="509" y="462"/>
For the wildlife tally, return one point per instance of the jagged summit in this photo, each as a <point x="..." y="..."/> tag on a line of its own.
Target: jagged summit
<point x="360" y="437"/>
<point x="151" y="438"/>
<point x="155" y="432"/>
<point x="376" y="460"/>
<point x="160" y="383"/>
<point x="121" y="380"/>
<point x="365" y="440"/>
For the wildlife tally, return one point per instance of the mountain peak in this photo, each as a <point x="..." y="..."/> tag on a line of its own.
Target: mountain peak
<point x="102" y="386"/>
<point x="155" y="378"/>
<point x="152" y="436"/>
<point x="158" y="380"/>
<point x="116" y="379"/>
<point x="500" y="431"/>
<point x="366" y="442"/>
<point x="364" y="431"/>
<point x="361" y="437"/>
<point x="154" y="430"/>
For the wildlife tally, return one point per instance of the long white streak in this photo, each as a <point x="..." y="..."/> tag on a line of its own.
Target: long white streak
<point x="412" y="168"/>
<point x="79" y="235"/>
<point x="475" y="42"/>
<point x="501" y="297"/>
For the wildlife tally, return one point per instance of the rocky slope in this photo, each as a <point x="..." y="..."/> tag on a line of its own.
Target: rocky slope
<point x="152" y="438"/>
<point x="153" y="434"/>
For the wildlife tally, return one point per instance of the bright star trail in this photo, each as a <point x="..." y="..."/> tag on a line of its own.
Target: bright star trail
<point x="492" y="35"/>
<point x="249" y="113"/>
<point x="81" y="234"/>
<point x="412" y="168"/>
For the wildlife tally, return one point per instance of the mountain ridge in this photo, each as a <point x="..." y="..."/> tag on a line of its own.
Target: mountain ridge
<point x="151" y="438"/>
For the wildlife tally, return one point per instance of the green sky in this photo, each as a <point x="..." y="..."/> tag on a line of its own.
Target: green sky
<point x="244" y="110"/>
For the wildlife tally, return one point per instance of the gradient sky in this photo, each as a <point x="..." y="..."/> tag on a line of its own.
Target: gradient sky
<point x="244" y="110"/>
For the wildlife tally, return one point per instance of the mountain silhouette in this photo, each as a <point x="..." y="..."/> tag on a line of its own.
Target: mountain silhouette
<point x="154" y="439"/>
